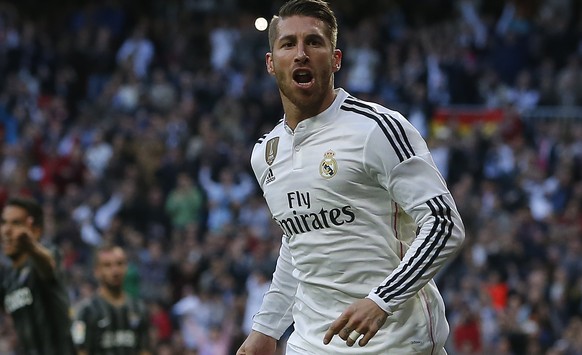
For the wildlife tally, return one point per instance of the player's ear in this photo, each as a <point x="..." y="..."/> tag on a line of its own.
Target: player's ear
<point x="29" y="221"/>
<point x="34" y="228"/>
<point x="337" y="60"/>
<point x="269" y="63"/>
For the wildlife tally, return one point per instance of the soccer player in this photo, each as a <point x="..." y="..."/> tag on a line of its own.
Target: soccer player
<point x="367" y="218"/>
<point x="111" y="322"/>
<point x="32" y="288"/>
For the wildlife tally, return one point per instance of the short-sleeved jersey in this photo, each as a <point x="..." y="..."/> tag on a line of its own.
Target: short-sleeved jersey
<point x="364" y="213"/>
<point x="101" y="328"/>
<point x="40" y="309"/>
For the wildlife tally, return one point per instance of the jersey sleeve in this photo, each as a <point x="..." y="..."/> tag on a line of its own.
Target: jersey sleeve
<point x="256" y="164"/>
<point x="275" y="314"/>
<point x="80" y="327"/>
<point x="402" y="164"/>
<point x="56" y="274"/>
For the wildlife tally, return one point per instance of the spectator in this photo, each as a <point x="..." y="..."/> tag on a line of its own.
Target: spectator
<point x="137" y="52"/>
<point x="185" y="202"/>
<point x="225" y="196"/>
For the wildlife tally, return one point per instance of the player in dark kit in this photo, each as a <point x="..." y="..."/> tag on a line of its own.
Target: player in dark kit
<point x="111" y="322"/>
<point x="32" y="289"/>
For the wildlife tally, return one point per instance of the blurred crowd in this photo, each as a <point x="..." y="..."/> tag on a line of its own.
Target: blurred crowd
<point x="133" y="125"/>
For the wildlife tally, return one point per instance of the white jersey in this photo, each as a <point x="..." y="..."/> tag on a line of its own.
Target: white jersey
<point x="364" y="213"/>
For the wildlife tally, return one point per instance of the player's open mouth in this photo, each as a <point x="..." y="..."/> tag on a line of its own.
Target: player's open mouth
<point x="303" y="78"/>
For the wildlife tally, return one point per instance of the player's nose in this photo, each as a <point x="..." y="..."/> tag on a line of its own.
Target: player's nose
<point x="301" y="55"/>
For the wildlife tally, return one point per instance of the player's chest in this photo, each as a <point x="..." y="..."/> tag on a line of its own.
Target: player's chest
<point x="302" y="172"/>
<point x="18" y="285"/>
<point x="116" y="328"/>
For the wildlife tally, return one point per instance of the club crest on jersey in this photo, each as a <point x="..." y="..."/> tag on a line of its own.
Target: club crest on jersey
<point x="271" y="150"/>
<point x="328" y="166"/>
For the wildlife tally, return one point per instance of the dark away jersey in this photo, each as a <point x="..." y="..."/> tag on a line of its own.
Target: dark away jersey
<point x="39" y="309"/>
<point x="104" y="329"/>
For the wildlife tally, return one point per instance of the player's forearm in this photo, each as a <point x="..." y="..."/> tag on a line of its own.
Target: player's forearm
<point x="275" y="315"/>
<point x="43" y="260"/>
<point x="440" y="238"/>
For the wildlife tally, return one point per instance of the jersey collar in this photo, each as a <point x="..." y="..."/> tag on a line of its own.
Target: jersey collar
<point x="325" y="117"/>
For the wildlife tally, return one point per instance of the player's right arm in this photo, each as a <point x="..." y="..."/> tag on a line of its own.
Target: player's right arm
<point x="274" y="316"/>
<point x="43" y="259"/>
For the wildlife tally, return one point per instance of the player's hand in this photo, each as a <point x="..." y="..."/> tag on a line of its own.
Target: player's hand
<point x="363" y="316"/>
<point x="25" y="241"/>
<point x="258" y="344"/>
<point x="24" y="238"/>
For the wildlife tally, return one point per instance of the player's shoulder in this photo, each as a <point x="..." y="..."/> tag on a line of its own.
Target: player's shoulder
<point x="85" y="307"/>
<point x="375" y="117"/>
<point x="268" y="139"/>
<point x="95" y="302"/>
<point x="368" y="109"/>
<point x="136" y="302"/>
<point x="276" y="130"/>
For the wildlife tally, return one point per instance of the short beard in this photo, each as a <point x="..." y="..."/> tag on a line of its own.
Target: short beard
<point x="114" y="289"/>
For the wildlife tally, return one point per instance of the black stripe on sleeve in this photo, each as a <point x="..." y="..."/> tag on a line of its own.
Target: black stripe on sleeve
<point x="389" y="119"/>
<point x="260" y="140"/>
<point x="393" y="130"/>
<point x="430" y="249"/>
<point x="395" y="125"/>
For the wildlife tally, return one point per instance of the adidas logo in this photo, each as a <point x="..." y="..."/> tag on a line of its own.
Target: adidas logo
<point x="270" y="176"/>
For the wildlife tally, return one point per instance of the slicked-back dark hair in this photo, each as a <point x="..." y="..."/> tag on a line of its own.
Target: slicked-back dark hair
<point x="32" y="208"/>
<point x="318" y="9"/>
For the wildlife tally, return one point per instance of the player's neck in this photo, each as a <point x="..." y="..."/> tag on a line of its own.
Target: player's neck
<point x="293" y="116"/>
<point x="19" y="260"/>
<point x="113" y="296"/>
<point x="295" y="113"/>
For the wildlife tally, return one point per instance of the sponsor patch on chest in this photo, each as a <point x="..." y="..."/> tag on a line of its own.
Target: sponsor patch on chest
<point x="17" y="299"/>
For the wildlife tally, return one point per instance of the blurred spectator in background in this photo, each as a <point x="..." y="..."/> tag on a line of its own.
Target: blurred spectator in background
<point x="136" y="52"/>
<point x="184" y="203"/>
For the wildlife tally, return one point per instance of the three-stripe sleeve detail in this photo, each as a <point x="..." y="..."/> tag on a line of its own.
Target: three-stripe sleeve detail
<point x="390" y="126"/>
<point x="426" y="253"/>
<point x="260" y="140"/>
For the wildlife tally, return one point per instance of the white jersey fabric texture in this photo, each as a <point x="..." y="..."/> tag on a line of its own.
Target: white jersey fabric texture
<point x="364" y="213"/>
